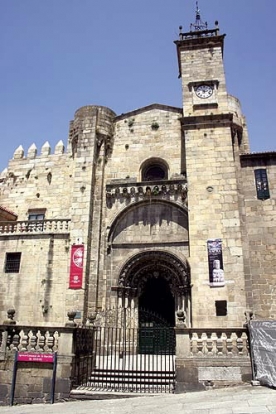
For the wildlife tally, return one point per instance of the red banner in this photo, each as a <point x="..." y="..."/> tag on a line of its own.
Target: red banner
<point x="76" y="267"/>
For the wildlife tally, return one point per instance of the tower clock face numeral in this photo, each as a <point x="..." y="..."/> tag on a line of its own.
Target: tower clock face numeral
<point x="204" y="91"/>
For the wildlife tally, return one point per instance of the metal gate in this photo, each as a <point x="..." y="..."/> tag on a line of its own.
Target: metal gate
<point x="125" y="359"/>
<point x="156" y="336"/>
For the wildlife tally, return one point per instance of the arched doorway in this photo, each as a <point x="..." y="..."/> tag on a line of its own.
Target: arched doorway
<point x="156" y="316"/>
<point x="156" y="303"/>
<point x="157" y="285"/>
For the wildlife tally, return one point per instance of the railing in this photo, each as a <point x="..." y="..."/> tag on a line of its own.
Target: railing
<point x="35" y="226"/>
<point x="125" y="359"/>
<point x="225" y="343"/>
<point x="84" y="362"/>
<point x="21" y="338"/>
<point x="198" y="33"/>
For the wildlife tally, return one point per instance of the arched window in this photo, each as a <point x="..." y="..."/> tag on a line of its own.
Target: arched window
<point x="154" y="170"/>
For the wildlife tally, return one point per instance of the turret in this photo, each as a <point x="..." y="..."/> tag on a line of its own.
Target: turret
<point x="87" y="119"/>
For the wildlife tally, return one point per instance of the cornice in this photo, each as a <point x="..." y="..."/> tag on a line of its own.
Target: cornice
<point x="207" y="121"/>
<point x="147" y="108"/>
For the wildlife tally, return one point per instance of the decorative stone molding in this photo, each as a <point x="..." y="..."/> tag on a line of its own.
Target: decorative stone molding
<point x="181" y="317"/>
<point x="10" y="320"/>
<point x="71" y="316"/>
<point x="139" y="268"/>
<point x="207" y="121"/>
<point x="174" y="190"/>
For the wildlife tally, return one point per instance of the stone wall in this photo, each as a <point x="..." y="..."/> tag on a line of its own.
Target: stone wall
<point x="33" y="383"/>
<point x="151" y="132"/>
<point x="37" y="181"/>
<point x="207" y="358"/>
<point x="38" y="291"/>
<point x="214" y="214"/>
<point x="259" y="241"/>
<point x="34" y="379"/>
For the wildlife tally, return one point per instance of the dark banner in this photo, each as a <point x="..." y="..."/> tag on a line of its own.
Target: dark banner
<point x="216" y="272"/>
<point x="76" y="267"/>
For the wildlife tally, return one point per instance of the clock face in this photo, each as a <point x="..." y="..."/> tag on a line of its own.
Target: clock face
<point x="204" y="91"/>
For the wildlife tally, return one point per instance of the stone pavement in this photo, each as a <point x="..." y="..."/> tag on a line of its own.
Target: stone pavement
<point x="234" y="400"/>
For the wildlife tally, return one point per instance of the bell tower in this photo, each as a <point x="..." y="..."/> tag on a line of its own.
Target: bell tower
<point x="200" y="59"/>
<point x="213" y="127"/>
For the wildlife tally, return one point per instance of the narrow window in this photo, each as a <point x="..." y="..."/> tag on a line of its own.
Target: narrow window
<point x="261" y="184"/>
<point x="35" y="216"/>
<point x="221" y="307"/>
<point x="12" y="264"/>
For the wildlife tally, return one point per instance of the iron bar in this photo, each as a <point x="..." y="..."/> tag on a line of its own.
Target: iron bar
<point x="127" y="359"/>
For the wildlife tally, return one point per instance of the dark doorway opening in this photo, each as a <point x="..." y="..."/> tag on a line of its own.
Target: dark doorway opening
<point x="158" y="302"/>
<point x="156" y="318"/>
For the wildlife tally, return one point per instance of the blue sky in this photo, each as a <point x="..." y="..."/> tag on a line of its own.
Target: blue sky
<point x="58" y="55"/>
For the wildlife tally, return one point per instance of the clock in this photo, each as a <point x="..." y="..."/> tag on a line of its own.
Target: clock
<point x="204" y="91"/>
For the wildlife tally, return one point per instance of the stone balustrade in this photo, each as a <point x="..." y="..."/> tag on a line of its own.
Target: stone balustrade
<point x="35" y="226"/>
<point x="203" y="343"/>
<point x="33" y="383"/>
<point x="26" y="338"/>
<point x="218" y="343"/>
<point x="173" y="190"/>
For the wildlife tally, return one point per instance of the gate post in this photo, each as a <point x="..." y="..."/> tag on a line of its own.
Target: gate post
<point x="182" y="349"/>
<point x="182" y="338"/>
<point x="186" y="372"/>
<point x="66" y="357"/>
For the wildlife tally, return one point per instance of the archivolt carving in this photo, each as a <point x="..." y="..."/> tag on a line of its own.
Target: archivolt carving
<point x="150" y="264"/>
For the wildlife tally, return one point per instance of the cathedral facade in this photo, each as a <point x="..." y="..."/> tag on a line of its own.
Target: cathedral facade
<point x="162" y="212"/>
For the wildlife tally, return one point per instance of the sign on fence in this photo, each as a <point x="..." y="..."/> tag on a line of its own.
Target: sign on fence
<point x="35" y="357"/>
<point x="50" y="358"/>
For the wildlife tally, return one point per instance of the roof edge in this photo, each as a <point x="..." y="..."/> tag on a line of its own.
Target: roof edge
<point x="149" y="108"/>
<point x="264" y="154"/>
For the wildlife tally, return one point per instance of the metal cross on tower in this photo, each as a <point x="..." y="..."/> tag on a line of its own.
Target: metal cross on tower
<point x="198" y="25"/>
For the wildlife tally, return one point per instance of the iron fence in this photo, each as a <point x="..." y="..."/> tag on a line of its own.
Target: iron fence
<point x="125" y="359"/>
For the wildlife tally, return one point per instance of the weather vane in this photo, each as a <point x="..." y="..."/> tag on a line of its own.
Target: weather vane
<point x="198" y="25"/>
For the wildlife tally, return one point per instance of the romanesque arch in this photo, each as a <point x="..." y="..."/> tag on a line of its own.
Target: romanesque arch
<point x="162" y="269"/>
<point x="160" y="219"/>
<point x="153" y="234"/>
<point x="149" y="264"/>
